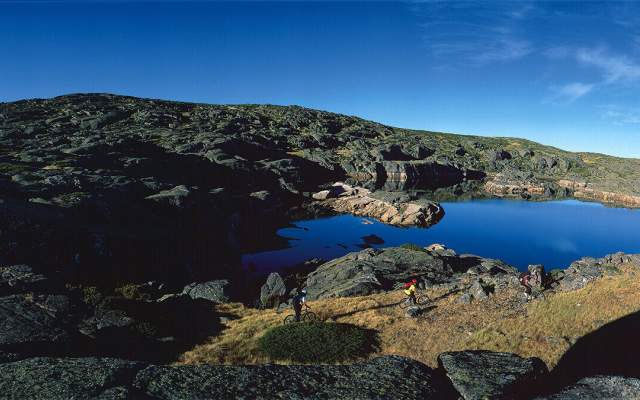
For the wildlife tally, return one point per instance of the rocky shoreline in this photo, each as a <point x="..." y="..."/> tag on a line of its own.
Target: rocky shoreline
<point x="343" y="198"/>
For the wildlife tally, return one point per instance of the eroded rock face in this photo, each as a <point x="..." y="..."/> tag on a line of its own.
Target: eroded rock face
<point x="359" y="201"/>
<point x="68" y="378"/>
<point x="584" y="190"/>
<point x="380" y="378"/>
<point x="479" y="375"/>
<point x="600" y="387"/>
<point x="516" y="184"/>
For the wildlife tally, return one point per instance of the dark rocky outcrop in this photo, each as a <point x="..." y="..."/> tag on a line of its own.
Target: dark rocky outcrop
<point x="460" y="375"/>
<point x="68" y="378"/>
<point x="479" y="375"/>
<point x="380" y="378"/>
<point x="598" y="388"/>
<point x="34" y="325"/>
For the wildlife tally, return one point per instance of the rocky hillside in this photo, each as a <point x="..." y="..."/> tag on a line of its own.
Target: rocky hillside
<point x="155" y="190"/>
<point x="123" y="220"/>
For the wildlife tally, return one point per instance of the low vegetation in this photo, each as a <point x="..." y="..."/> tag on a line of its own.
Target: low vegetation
<point x="412" y="246"/>
<point x="317" y="342"/>
<point x="544" y="328"/>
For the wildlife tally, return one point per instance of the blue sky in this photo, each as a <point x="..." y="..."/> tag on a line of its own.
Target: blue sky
<point x="560" y="73"/>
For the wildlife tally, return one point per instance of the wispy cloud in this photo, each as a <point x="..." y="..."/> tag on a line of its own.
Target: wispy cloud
<point x="569" y="93"/>
<point x="620" y="115"/>
<point x="614" y="68"/>
<point x="490" y="33"/>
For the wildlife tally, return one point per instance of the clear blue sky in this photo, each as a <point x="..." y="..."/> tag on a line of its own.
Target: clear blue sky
<point x="564" y="74"/>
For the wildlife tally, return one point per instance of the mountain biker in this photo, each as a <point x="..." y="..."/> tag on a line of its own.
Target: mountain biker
<point x="410" y="290"/>
<point x="525" y="277"/>
<point x="298" y="301"/>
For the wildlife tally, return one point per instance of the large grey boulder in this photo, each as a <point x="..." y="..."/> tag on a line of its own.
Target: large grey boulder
<point x="67" y="378"/>
<point x="380" y="378"/>
<point x="214" y="291"/>
<point x="32" y="325"/>
<point x="479" y="375"/>
<point x="272" y="292"/>
<point x="478" y="290"/>
<point x="374" y="270"/>
<point x="600" y="387"/>
<point x="20" y="279"/>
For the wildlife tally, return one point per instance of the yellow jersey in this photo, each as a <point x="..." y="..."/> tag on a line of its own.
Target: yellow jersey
<point x="410" y="290"/>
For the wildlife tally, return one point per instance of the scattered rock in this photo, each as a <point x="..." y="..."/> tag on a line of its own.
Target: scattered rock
<point x="479" y="375"/>
<point x="174" y="197"/>
<point x="214" y="291"/>
<point x="413" y="311"/>
<point x="587" y="269"/>
<point x="20" y="279"/>
<point x="465" y="298"/>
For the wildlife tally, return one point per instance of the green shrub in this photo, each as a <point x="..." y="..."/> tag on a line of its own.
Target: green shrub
<point x="317" y="342"/>
<point x="90" y="295"/>
<point x="132" y="291"/>
<point x="413" y="246"/>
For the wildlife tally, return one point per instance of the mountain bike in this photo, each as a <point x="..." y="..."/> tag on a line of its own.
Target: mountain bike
<point x="421" y="300"/>
<point x="305" y="316"/>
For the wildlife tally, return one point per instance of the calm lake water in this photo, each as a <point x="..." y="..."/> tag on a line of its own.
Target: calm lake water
<point x="552" y="233"/>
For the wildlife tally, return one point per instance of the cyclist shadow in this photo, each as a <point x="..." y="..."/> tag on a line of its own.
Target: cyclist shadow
<point x="378" y="307"/>
<point x="423" y="309"/>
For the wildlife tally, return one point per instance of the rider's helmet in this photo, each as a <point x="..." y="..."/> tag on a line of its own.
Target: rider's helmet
<point x="414" y="280"/>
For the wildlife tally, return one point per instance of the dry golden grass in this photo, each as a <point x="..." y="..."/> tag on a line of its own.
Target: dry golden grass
<point x="542" y="328"/>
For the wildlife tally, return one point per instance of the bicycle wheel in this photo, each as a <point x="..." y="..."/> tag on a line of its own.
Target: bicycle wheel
<point x="423" y="299"/>
<point x="309" y="317"/>
<point x="290" y="319"/>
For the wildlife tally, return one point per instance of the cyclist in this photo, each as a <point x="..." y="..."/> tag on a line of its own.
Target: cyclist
<point x="525" y="278"/>
<point x="410" y="290"/>
<point x="298" y="301"/>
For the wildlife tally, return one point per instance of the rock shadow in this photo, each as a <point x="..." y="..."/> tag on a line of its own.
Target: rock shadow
<point x="613" y="349"/>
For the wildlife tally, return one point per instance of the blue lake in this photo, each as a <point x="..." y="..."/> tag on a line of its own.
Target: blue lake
<point x="552" y="233"/>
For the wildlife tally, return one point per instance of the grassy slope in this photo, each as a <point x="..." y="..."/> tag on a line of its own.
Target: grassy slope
<point x="543" y="328"/>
